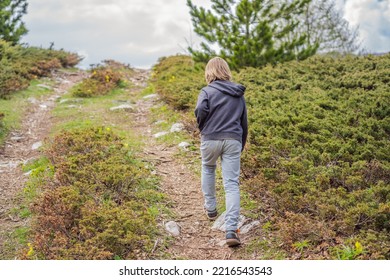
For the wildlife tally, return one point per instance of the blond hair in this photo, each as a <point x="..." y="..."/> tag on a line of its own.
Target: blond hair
<point x="217" y="69"/>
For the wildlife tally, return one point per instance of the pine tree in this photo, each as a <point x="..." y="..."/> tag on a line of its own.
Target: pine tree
<point x="249" y="33"/>
<point x="11" y="26"/>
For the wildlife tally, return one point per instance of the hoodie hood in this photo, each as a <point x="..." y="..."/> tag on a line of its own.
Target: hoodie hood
<point x="228" y="88"/>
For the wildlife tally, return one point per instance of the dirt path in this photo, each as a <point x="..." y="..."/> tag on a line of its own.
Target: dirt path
<point x="22" y="145"/>
<point x="197" y="240"/>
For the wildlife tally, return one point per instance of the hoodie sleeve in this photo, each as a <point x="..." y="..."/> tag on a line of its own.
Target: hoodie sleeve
<point x="202" y="109"/>
<point x="244" y="125"/>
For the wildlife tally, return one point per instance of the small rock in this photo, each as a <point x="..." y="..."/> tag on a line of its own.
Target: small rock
<point x="32" y="100"/>
<point x="177" y="127"/>
<point x="11" y="164"/>
<point x="124" y="107"/>
<point x="54" y="98"/>
<point x="36" y="145"/>
<point x="160" y="134"/>
<point x="150" y="96"/>
<point x="17" y="138"/>
<point x="72" y="106"/>
<point x="219" y="224"/>
<point x="173" y="228"/>
<point x="160" y="122"/>
<point x="77" y="100"/>
<point x="247" y="228"/>
<point x="120" y="101"/>
<point x="43" y="106"/>
<point x="184" y="145"/>
<point x="45" y="86"/>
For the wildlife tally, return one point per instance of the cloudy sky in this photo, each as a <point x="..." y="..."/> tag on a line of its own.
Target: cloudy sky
<point x="138" y="32"/>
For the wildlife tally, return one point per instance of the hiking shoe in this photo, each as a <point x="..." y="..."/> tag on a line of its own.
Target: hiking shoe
<point x="212" y="215"/>
<point x="232" y="238"/>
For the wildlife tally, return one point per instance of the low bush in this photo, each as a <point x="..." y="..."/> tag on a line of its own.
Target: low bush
<point x="19" y="65"/>
<point x="96" y="207"/>
<point x="178" y="80"/>
<point x="104" y="78"/>
<point x="1" y="123"/>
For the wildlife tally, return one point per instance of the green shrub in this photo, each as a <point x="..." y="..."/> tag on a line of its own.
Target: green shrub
<point x="178" y="80"/>
<point x="98" y="206"/>
<point x="1" y="123"/>
<point x="19" y="65"/>
<point x="317" y="157"/>
<point x="102" y="80"/>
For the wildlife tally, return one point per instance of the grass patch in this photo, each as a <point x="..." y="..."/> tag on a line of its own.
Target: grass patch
<point x="15" y="107"/>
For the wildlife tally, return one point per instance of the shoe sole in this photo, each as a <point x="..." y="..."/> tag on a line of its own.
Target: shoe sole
<point x="211" y="218"/>
<point x="232" y="242"/>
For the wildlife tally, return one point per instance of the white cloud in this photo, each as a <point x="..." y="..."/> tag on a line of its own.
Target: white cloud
<point x="140" y="31"/>
<point x="373" y="19"/>
<point x="119" y="29"/>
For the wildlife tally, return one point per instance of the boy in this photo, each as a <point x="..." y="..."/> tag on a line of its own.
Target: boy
<point x="222" y="120"/>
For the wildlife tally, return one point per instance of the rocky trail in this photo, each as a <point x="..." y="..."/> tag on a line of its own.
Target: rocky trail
<point x="193" y="234"/>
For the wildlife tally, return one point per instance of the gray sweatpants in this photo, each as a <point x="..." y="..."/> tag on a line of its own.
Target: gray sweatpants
<point x="230" y="153"/>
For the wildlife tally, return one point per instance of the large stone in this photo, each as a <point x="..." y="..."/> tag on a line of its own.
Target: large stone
<point x="173" y="228"/>
<point x="248" y="227"/>
<point x="220" y="224"/>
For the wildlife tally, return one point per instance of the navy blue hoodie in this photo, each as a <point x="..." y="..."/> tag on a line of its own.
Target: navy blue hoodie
<point x="221" y="112"/>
